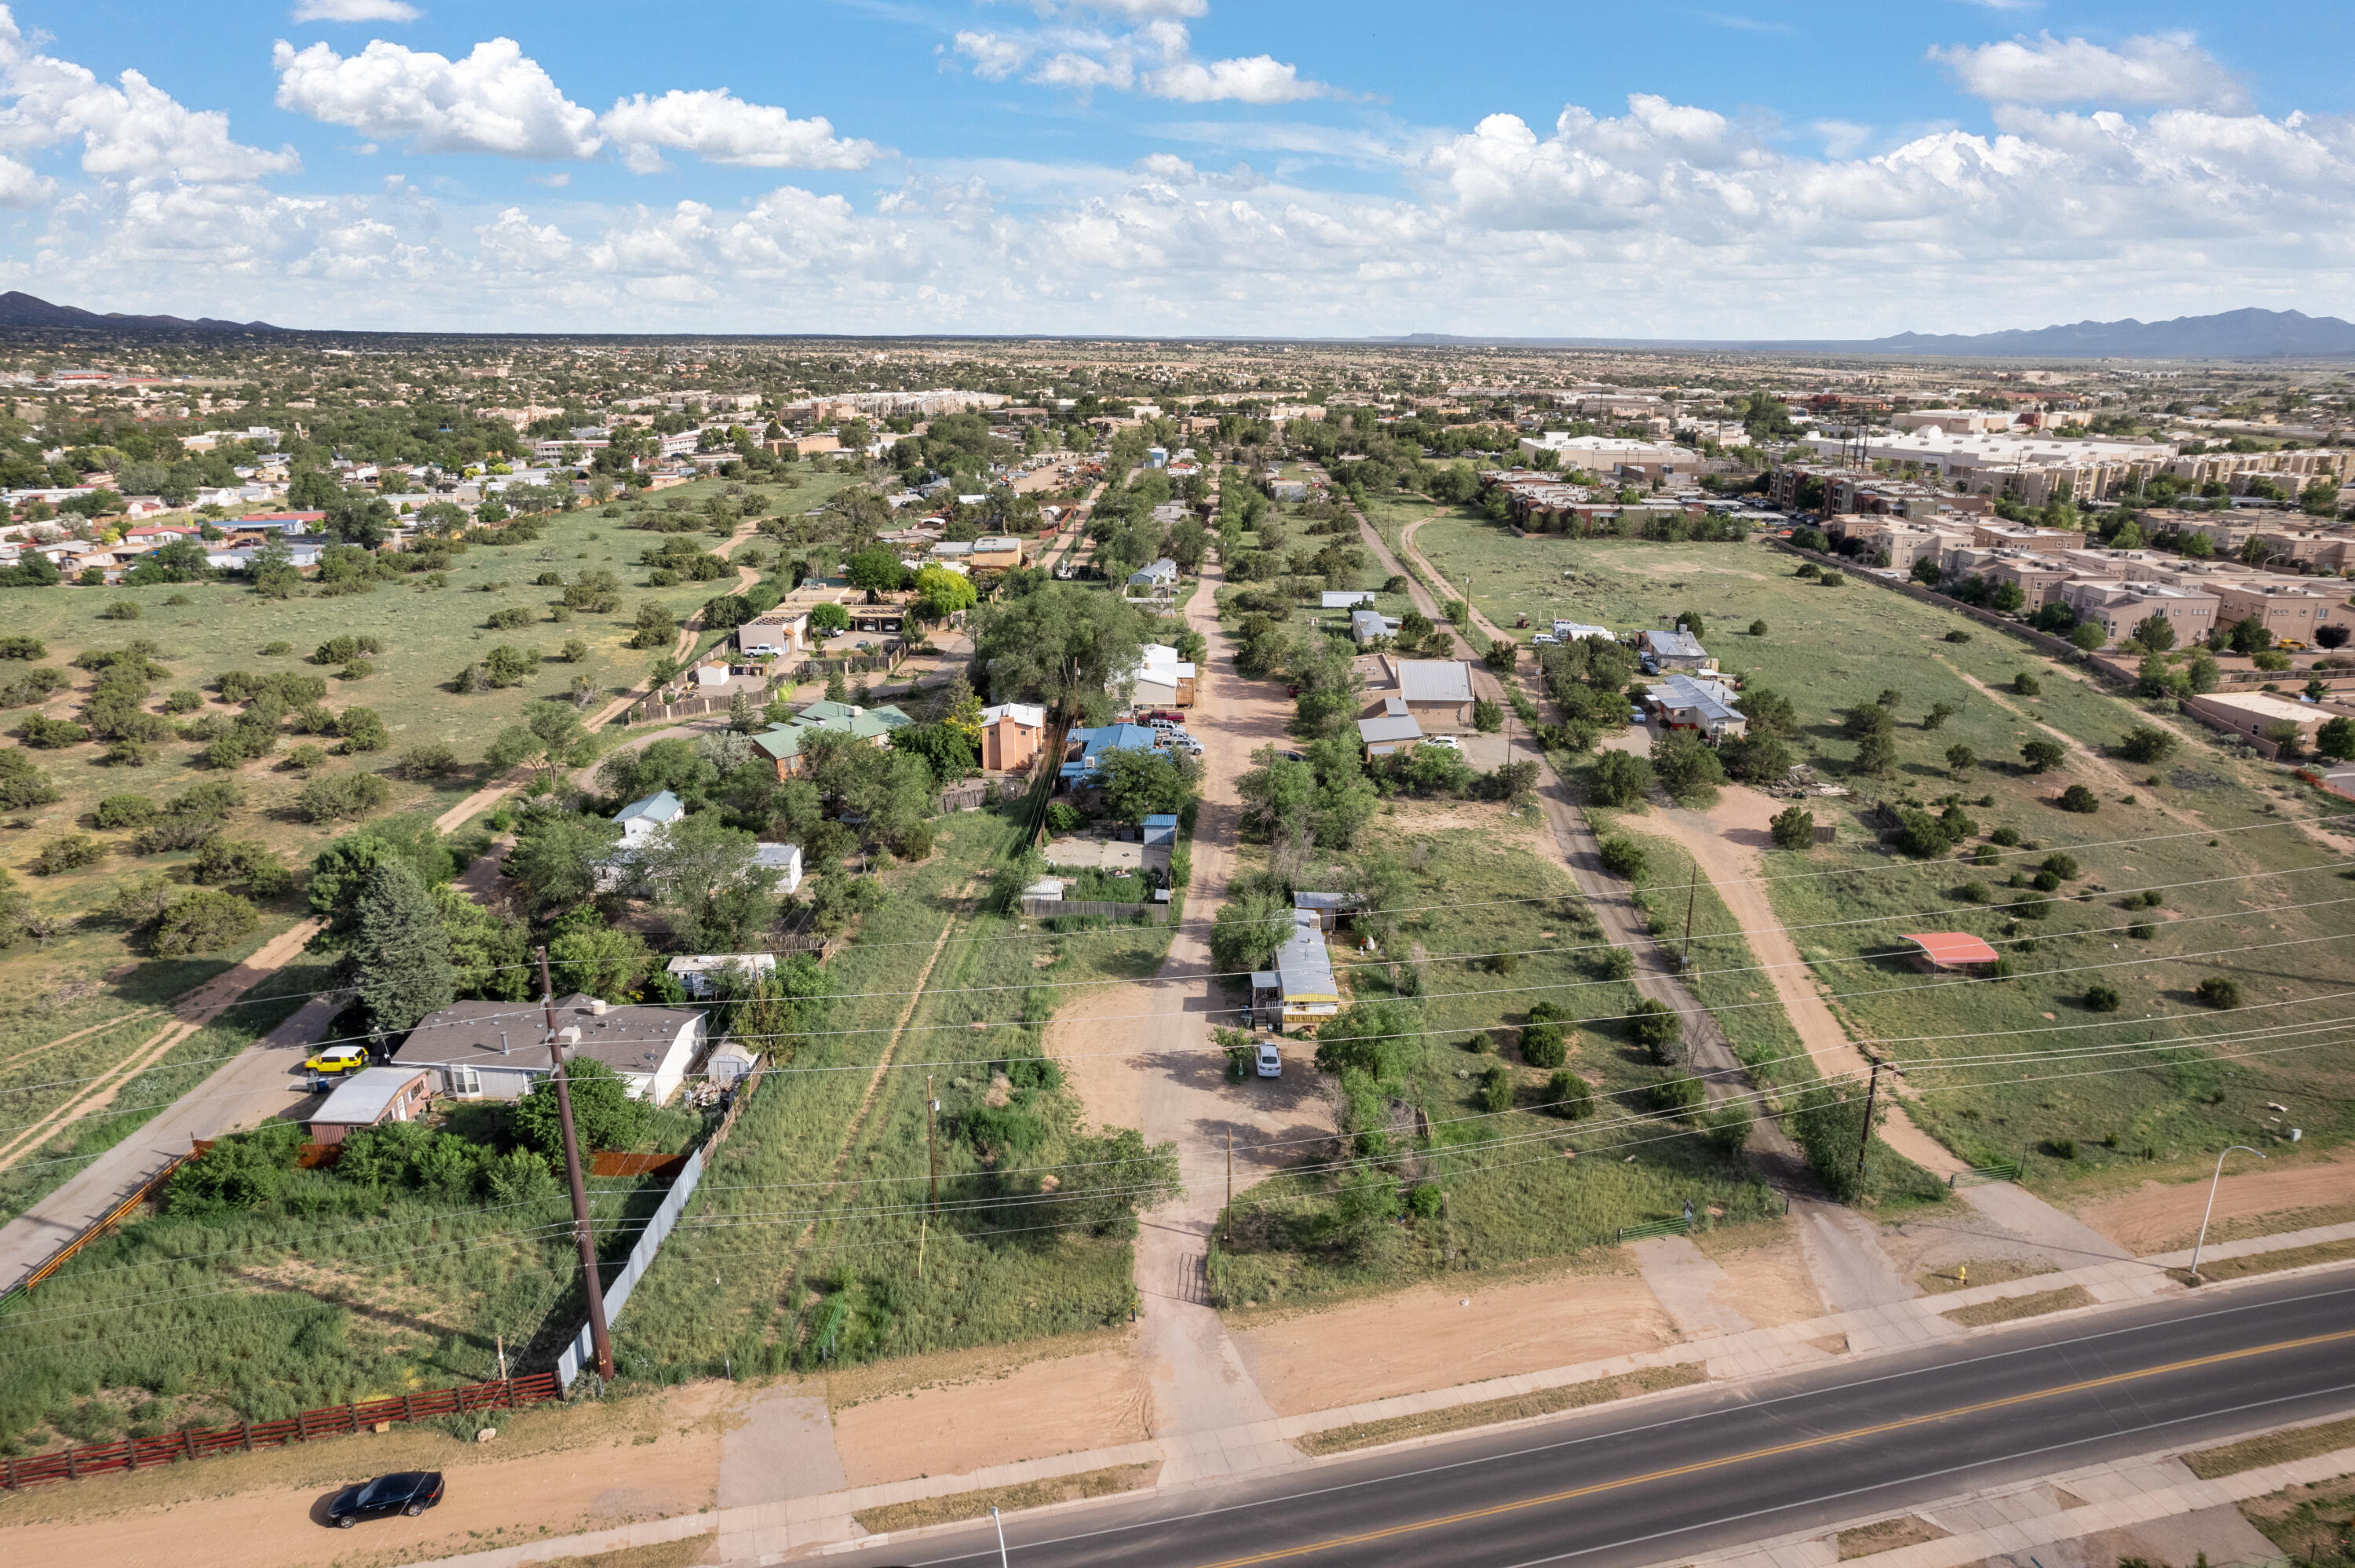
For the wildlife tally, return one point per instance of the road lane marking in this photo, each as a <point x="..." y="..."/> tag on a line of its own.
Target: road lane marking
<point x="1772" y="1451"/>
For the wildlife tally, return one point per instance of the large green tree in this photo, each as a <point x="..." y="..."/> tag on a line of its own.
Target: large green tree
<point x="557" y="854"/>
<point x="701" y="874"/>
<point x="399" y="961"/>
<point x="1060" y="644"/>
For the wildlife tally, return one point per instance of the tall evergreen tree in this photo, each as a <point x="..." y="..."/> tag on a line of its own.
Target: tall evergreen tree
<point x="400" y="957"/>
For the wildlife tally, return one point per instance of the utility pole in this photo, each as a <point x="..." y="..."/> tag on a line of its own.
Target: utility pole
<point x="501" y="1342"/>
<point x="932" y="1166"/>
<point x="1864" y="1142"/>
<point x="1228" y="1224"/>
<point x="1692" y="891"/>
<point x="600" y="1339"/>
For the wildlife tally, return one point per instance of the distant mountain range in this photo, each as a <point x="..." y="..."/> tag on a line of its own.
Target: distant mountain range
<point x="2231" y="335"/>
<point x="21" y="310"/>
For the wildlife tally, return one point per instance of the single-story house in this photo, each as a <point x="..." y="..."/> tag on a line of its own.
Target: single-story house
<point x="1695" y="703"/>
<point x="785" y="860"/>
<point x="1367" y="626"/>
<point x="1346" y="598"/>
<point x="1161" y="576"/>
<point x="1083" y="748"/>
<point x="1300" y="992"/>
<point x="1328" y="908"/>
<point x="1388" y="734"/>
<point x="702" y="975"/>
<point x="995" y="553"/>
<point x="775" y="634"/>
<point x="782" y="743"/>
<point x="641" y="817"/>
<point x="1579" y="631"/>
<point x="1678" y="650"/>
<point x="1950" y="950"/>
<point x="367" y="1098"/>
<point x="1436" y="691"/>
<point x="1011" y="734"/>
<point x="499" y="1049"/>
<point x="2254" y="713"/>
<point x="1159" y="679"/>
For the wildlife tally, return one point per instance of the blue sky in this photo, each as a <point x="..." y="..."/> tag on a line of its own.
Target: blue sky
<point x="1177" y="165"/>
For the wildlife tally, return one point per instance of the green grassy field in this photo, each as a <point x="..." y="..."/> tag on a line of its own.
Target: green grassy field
<point x="787" y="1258"/>
<point x="1510" y="1194"/>
<point x="2262" y="903"/>
<point x="92" y="968"/>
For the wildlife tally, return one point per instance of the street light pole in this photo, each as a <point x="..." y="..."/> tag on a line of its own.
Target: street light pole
<point x="2213" y="1182"/>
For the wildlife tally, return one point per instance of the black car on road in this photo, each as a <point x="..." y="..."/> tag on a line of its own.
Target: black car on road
<point x="409" y="1491"/>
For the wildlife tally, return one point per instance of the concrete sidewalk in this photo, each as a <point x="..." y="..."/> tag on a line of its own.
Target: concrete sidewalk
<point x="771" y="1531"/>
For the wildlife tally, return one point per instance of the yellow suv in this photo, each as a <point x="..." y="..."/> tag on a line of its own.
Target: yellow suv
<point x="339" y="1059"/>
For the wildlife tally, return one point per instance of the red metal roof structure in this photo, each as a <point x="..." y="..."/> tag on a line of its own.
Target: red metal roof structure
<point x="1950" y="950"/>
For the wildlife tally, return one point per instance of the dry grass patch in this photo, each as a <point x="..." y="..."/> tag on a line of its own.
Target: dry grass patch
<point x="1979" y="1271"/>
<point x="688" y="1553"/>
<point x="2218" y="1269"/>
<point x="2009" y="1308"/>
<point x="925" y="1511"/>
<point x="2310" y="1523"/>
<point x="1888" y="1535"/>
<point x="944" y="1368"/>
<point x="2273" y="1448"/>
<point x="1490" y="1411"/>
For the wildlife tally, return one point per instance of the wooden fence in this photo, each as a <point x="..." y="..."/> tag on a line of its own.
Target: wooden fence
<point x="1147" y="914"/>
<point x="95" y="1229"/>
<point x="329" y="1421"/>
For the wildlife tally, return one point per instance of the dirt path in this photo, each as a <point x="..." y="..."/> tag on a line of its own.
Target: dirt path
<point x="2093" y="761"/>
<point x="2164" y="1216"/>
<point x="134" y="1016"/>
<point x="858" y="1123"/>
<point x="554" y="1472"/>
<point x="196" y="1010"/>
<point x="1724" y="843"/>
<point x="1171" y="1081"/>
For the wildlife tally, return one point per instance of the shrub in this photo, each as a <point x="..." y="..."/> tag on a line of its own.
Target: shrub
<point x="2027" y="685"/>
<point x="2043" y="756"/>
<point x="357" y="670"/>
<point x="203" y="922"/>
<point x="2045" y="882"/>
<point x="2080" y="800"/>
<point x="2061" y="865"/>
<point x="508" y="666"/>
<point x="575" y="651"/>
<point x="1569" y="1096"/>
<point x="2218" y="990"/>
<point x="344" y="797"/>
<point x="508" y="618"/>
<point x="433" y="760"/>
<point x="362" y="729"/>
<point x="49" y="734"/>
<point x="2100" y="997"/>
<point x="1974" y="892"/>
<point x="121" y="609"/>
<point x="26" y="648"/>
<point x="1619" y="779"/>
<point x="71" y="853"/>
<point x="1542" y="1045"/>
<point x="1655" y="1026"/>
<point x="2008" y="837"/>
<point x="1757" y="629"/>
<point x="1679" y="1096"/>
<point x="2147" y="743"/>
<point x="1958" y="635"/>
<point x="1623" y="857"/>
<point x="124" y="811"/>
<point x="1496" y="1089"/>
<point x="2059" y="1148"/>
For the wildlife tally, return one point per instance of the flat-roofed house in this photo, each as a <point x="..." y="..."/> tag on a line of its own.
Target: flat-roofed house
<point x="1438" y="692"/>
<point x="1695" y="703"/>
<point x="1300" y="992"/>
<point x="1011" y="734"/>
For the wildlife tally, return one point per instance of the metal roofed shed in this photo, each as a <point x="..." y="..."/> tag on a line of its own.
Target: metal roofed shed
<point x="368" y="1097"/>
<point x="1951" y="951"/>
<point x="1387" y="734"/>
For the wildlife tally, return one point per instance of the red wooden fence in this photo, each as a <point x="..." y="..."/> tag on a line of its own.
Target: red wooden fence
<point x="332" y="1420"/>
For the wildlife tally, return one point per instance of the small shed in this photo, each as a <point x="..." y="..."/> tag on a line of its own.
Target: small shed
<point x="1330" y="908"/>
<point x="1937" y="951"/>
<point x="367" y="1098"/>
<point x="731" y="1062"/>
<point x="1161" y="829"/>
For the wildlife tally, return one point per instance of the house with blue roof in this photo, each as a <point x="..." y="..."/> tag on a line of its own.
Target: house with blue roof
<point x="1087" y="746"/>
<point x="642" y="817"/>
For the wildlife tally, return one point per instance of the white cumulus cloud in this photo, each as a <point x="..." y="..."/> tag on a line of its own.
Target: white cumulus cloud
<point x="2166" y="69"/>
<point x="354" y="11"/>
<point x="496" y="99"/>
<point x="720" y="128"/>
<point x="993" y="56"/>
<point x="1261" y="78"/>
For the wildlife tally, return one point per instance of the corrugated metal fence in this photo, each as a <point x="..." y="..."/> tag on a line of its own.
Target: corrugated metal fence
<point x="578" y="1353"/>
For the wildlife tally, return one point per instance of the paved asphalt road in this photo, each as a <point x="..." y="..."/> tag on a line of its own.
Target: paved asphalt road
<point x="1721" y="1466"/>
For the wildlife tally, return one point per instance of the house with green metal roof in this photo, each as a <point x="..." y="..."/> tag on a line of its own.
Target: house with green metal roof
<point x="782" y="743"/>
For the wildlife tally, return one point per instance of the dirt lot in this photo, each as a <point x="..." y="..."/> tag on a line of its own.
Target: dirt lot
<point x="2164" y="1218"/>
<point x="991" y="1416"/>
<point x="1765" y="1280"/>
<point x="1425" y="1338"/>
<point x="555" y="1472"/>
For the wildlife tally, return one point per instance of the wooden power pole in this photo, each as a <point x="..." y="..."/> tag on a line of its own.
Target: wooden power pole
<point x="1864" y="1142"/>
<point x="600" y="1339"/>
